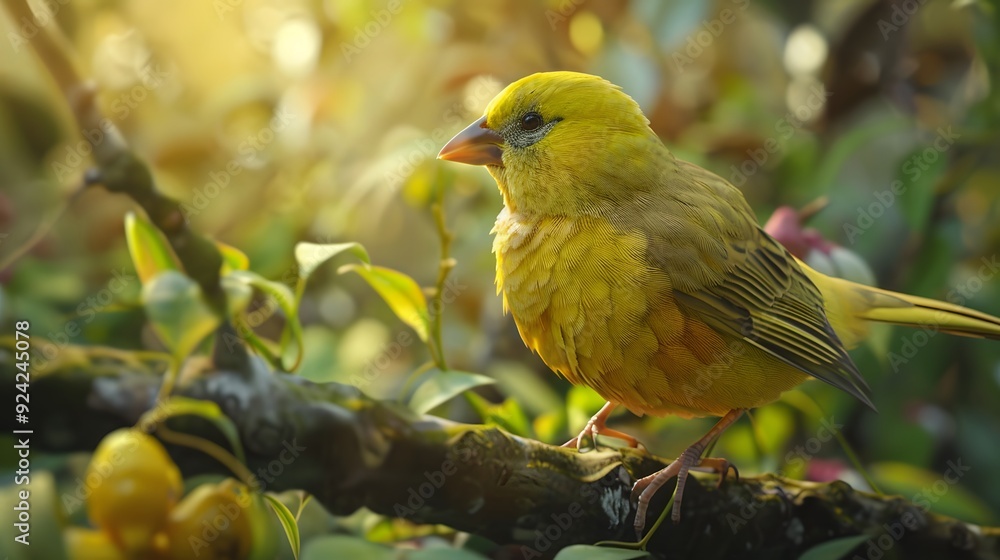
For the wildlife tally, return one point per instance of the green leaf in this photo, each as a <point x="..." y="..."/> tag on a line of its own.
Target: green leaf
<point x="238" y="295"/>
<point x="178" y="312"/>
<point x="311" y="255"/>
<point x="530" y="389"/>
<point x="400" y="292"/>
<point x="940" y="492"/>
<point x="442" y="553"/>
<point x="283" y="295"/>
<point x="773" y="426"/>
<point x="590" y="552"/>
<point x="834" y="549"/>
<point x="550" y="427"/>
<point x="507" y="415"/>
<point x="344" y="546"/>
<point x="150" y="252"/>
<point x="232" y="258"/>
<point x="287" y="523"/>
<point x="180" y="406"/>
<point x="442" y="386"/>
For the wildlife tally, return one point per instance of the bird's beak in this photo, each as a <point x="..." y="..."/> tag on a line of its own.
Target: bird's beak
<point x="476" y="145"/>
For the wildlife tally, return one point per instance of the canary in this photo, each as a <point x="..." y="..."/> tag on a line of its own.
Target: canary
<point x="648" y="278"/>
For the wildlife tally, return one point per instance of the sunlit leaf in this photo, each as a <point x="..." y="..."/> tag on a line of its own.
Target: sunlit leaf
<point x="507" y="415"/>
<point x="150" y="252"/>
<point x="232" y="258"/>
<point x="400" y="292"/>
<point x="442" y="386"/>
<point x="288" y="523"/>
<point x="178" y="312"/>
<point x="310" y="256"/>
<point x="834" y="549"/>
<point x="550" y="426"/>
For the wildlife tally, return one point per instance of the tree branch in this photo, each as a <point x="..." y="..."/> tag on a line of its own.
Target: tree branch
<point x="350" y="451"/>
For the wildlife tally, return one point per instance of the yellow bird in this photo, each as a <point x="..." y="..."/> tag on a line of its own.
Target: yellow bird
<point x="648" y="278"/>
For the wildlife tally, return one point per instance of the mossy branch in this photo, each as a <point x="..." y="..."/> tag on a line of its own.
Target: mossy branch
<point x="350" y="451"/>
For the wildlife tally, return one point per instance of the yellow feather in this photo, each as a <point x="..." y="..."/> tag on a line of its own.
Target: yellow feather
<point x="647" y="278"/>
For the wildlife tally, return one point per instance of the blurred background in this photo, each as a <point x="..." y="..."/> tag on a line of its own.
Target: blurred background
<point x="275" y="122"/>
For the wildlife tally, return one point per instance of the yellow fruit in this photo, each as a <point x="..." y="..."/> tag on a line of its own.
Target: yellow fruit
<point x="213" y="522"/>
<point x="88" y="544"/>
<point x="134" y="484"/>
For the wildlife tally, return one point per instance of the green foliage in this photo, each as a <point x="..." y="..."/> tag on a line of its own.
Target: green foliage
<point x="400" y="292"/>
<point x="151" y="254"/>
<point x="178" y="312"/>
<point x="442" y="386"/>
<point x="181" y="406"/>
<point x="834" y="549"/>
<point x="352" y="168"/>
<point x="588" y="552"/>
<point x="288" y="523"/>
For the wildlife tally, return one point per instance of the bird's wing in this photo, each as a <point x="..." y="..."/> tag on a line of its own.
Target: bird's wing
<point x="728" y="273"/>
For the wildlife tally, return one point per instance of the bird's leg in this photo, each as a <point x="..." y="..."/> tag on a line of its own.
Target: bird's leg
<point x="689" y="460"/>
<point x="597" y="425"/>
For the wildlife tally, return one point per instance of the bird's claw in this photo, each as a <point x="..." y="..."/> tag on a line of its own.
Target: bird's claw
<point x="597" y="426"/>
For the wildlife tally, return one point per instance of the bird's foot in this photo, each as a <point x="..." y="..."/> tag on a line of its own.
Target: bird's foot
<point x="597" y="425"/>
<point x="645" y="488"/>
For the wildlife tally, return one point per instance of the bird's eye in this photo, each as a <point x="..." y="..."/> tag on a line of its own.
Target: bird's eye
<point x="531" y="121"/>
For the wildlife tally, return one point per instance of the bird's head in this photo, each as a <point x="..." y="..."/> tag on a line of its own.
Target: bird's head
<point x="561" y="143"/>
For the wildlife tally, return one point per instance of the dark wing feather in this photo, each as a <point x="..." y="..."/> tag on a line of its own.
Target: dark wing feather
<point x="731" y="275"/>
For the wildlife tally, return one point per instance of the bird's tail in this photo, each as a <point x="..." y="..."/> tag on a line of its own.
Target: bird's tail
<point x="851" y="306"/>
